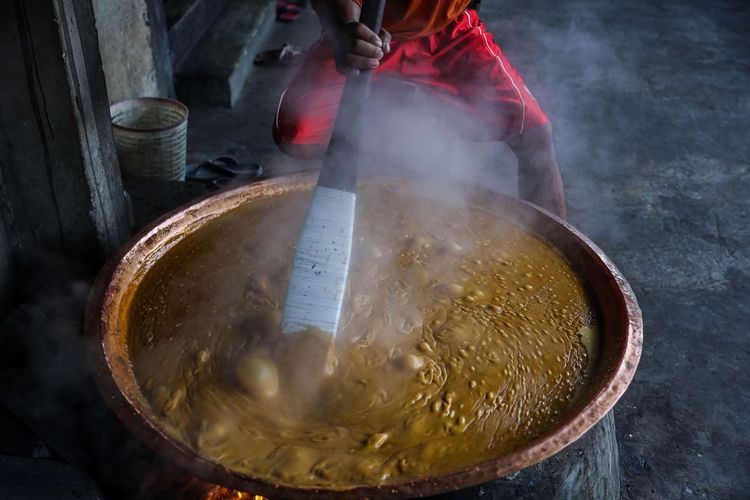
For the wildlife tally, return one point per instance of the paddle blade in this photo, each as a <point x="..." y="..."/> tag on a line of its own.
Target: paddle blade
<point x="321" y="264"/>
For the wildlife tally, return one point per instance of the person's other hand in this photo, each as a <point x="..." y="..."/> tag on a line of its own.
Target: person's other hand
<point x="358" y="48"/>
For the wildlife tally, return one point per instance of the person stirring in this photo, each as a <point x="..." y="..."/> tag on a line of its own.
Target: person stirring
<point x="441" y="46"/>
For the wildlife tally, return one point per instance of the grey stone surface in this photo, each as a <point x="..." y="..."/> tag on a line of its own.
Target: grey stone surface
<point x="589" y="468"/>
<point x="650" y="104"/>
<point x="216" y="70"/>
<point x="22" y="478"/>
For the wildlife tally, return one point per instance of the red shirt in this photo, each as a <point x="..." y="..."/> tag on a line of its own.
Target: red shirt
<point x="410" y="19"/>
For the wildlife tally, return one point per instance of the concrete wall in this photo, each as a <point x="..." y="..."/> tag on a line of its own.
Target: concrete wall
<point x="126" y="48"/>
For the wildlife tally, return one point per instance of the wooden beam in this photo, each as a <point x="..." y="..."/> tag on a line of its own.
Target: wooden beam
<point x="60" y="187"/>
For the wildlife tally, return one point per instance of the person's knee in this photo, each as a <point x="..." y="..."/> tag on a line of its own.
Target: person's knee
<point x="302" y="151"/>
<point x="287" y="128"/>
<point x="285" y="142"/>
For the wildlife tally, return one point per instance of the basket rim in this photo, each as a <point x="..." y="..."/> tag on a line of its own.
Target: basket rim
<point x="177" y="103"/>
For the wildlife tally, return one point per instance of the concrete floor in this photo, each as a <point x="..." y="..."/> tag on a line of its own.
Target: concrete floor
<point x="650" y="102"/>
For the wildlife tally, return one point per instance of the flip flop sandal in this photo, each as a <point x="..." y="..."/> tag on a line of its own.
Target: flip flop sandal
<point x="286" y="55"/>
<point x="222" y="181"/>
<point x="228" y="166"/>
<point x="223" y="169"/>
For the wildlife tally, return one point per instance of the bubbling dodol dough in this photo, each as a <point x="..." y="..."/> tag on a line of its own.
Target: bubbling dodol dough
<point x="459" y="341"/>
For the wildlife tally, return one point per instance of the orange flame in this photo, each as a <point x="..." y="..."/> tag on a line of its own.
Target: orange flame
<point x="221" y="493"/>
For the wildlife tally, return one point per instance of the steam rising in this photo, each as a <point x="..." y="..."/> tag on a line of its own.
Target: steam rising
<point x="413" y="132"/>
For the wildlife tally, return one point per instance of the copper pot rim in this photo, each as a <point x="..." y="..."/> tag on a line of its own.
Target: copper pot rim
<point x="140" y="421"/>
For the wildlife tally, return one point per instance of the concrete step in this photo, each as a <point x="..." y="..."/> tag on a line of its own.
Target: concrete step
<point x="187" y="22"/>
<point x="216" y="70"/>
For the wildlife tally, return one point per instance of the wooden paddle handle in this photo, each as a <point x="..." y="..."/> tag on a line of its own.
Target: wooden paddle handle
<point x="372" y="14"/>
<point x="340" y="166"/>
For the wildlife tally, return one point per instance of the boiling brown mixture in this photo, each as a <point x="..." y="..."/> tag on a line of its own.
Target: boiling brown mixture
<point x="463" y="338"/>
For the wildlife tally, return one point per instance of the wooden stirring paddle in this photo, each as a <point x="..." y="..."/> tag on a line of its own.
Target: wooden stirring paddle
<point x="321" y="261"/>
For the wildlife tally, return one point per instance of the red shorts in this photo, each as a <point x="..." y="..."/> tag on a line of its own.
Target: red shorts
<point x="460" y="66"/>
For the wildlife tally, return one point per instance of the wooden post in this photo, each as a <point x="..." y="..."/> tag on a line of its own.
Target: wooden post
<point x="60" y="187"/>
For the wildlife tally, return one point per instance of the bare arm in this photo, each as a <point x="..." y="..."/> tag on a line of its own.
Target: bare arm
<point x="539" y="179"/>
<point x="356" y="47"/>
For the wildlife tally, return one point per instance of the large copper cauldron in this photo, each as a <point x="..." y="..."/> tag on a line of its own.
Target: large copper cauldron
<point x="618" y="312"/>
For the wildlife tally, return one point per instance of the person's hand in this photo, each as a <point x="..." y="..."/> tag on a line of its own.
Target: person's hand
<point x="358" y="48"/>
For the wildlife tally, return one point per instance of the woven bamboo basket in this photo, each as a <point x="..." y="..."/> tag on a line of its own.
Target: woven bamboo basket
<point x="151" y="137"/>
